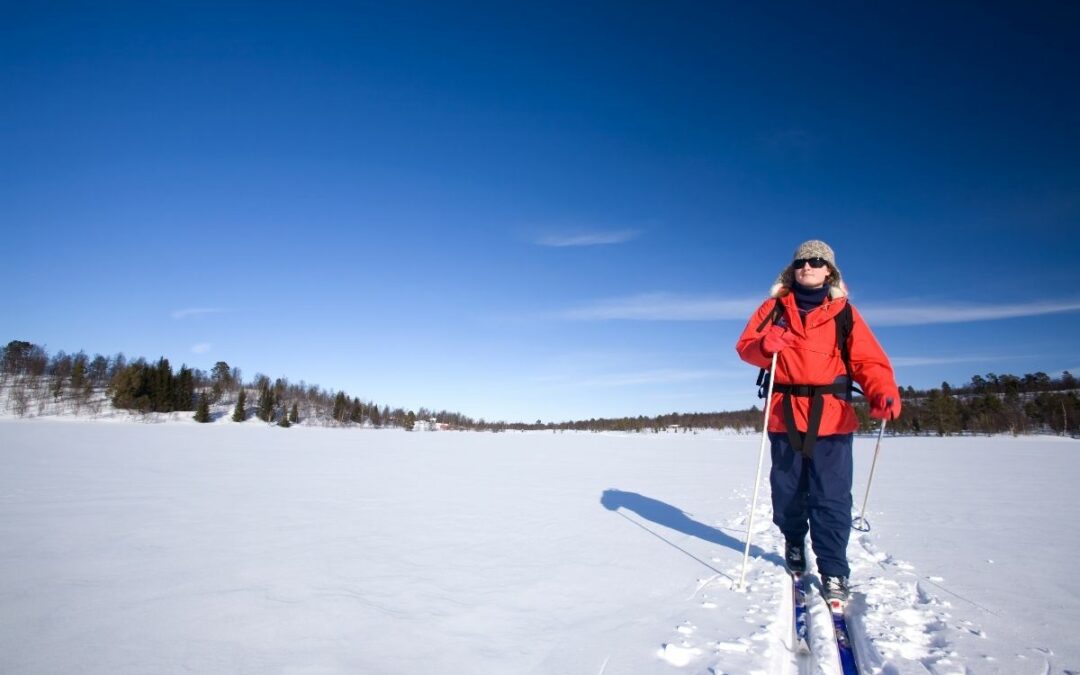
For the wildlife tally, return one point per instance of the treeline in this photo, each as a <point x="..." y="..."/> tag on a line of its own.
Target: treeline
<point x="993" y="404"/>
<point x="32" y="376"/>
<point x="741" y="420"/>
<point x="990" y="404"/>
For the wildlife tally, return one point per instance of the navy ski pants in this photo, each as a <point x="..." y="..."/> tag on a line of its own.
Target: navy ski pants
<point x="814" y="495"/>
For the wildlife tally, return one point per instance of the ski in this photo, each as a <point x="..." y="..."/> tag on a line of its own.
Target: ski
<point x="800" y="637"/>
<point x="843" y="638"/>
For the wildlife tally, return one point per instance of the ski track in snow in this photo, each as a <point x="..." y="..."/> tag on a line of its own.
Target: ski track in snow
<point x="898" y="622"/>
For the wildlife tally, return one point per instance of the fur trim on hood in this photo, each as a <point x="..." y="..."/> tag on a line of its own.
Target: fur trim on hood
<point x="838" y="290"/>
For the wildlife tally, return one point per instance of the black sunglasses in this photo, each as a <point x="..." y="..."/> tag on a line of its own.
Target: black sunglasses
<point x="816" y="263"/>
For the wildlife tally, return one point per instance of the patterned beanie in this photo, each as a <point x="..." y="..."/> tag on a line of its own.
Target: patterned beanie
<point x="811" y="249"/>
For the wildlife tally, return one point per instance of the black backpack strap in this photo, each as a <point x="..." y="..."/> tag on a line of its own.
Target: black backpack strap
<point x="774" y="316"/>
<point x="845" y="323"/>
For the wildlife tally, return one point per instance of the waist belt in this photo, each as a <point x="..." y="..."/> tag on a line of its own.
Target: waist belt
<point x="816" y="394"/>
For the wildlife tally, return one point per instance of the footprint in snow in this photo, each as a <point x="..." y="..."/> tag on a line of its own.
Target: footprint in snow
<point x="678" y="656"/>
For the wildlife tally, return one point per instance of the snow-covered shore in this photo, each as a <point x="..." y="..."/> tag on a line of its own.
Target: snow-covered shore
<point x="241" y="548"/>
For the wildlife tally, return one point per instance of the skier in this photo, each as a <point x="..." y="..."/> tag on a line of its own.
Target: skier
<point x="822" y="346"/>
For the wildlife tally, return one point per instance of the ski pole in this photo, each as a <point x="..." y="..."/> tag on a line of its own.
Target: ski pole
<point x="757" y="476"/>
<point x="859" y="522"/>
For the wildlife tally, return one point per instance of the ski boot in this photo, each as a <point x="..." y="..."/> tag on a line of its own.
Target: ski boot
<point x="795" y="556"/>
<point x="835" y="590"/>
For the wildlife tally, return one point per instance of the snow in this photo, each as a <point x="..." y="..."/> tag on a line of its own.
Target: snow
<point x="243" y="548"/>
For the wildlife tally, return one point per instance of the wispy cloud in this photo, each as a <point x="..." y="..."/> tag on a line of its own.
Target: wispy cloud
<point x="665" y="307"/>
<point x="915" y="314"/>
<point x="201" y="348"/>
<point x="646" y="377"/>
<point x="196" y="311"/>
<point x="598" y="238"/>
<point x="674" y="307"/>
<point x="915" y="361"/>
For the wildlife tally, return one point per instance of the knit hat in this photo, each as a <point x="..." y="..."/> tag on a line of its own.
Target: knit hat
<point x="812" y="249"/>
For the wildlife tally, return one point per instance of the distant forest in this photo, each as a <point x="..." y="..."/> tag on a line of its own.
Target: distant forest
<point x="987" y="404"/>
<point x="31" y="379"/>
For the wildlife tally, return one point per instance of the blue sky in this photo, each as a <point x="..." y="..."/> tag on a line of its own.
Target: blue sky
<point x="523" y="211"/>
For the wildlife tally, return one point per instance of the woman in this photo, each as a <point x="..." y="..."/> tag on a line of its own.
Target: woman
<point x="804" y="323"/>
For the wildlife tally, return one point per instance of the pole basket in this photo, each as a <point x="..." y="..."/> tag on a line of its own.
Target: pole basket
<point x="861" y="524"/>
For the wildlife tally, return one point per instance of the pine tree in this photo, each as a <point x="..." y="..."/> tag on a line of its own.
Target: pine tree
<point x="266" y="404"/>
<point x="294" y="414"/>
<point x="184" y="389"/>
<point x="202" y="413"/>
<point x="340" y="406"/>
<point x="239" y="415"/>
<point x="132" y="387"/>
<point x="284" y="421"/>
<point x="162" y="394"/>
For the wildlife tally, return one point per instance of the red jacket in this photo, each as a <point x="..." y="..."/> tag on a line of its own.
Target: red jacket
<point x="815" y="359"/>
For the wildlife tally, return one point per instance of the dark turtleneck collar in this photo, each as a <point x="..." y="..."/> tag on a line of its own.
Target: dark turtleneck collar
<point x="807" y="299"/>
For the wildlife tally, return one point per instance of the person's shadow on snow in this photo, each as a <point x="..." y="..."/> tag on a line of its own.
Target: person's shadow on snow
<point x="676" y="519"/>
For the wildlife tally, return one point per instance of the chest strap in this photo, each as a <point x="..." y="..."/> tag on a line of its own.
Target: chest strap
<point x="816" y="393"/>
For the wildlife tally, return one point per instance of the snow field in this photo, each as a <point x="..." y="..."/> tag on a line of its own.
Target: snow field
<point x="224" y="548"/>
